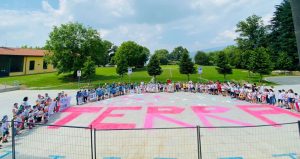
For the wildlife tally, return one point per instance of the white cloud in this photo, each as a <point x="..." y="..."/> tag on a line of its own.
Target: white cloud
<point x="104" y="33"/>
<point x="144" y="34"/>
<point x="119" y="8"/>
<point x="192" y="23"/>
<point x="225" y="37"/>
<point x="267" y="18"/>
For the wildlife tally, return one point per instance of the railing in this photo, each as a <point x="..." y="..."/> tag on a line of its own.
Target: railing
<point x="227" y="142"/>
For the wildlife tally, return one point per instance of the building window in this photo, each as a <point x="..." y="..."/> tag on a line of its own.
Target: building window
<point x="16" y="64"/>
<point x="31" y="65"/>
<point x="45" y="65"/>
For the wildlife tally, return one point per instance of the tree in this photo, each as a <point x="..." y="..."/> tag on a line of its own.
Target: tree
<point x="112" y="54"/>
<point x="31" y="47"/>
<point x="212" y="56"/>
<point x="284" y="62"/>
<point x="252" y="33"/>
<point x="122" y="66"/>
<point x="153" y="67"/>
<point x="282" y="37"/>
<point x="186" y="66"/>
<point x="70" y="45"/>
<point x="177" y="53"/>
<point x="89" y="68"/>
<point x="143" y="57"/>
<point x="201" y="58"/>
<point x="134" y="54"/>
<point x="162" y="56"/>
<point x="223" y="66"/>
<point x="233" y="53"/>
<point x="246" y="61"/>
<point x="260" y="62"/>
<point x="102" y="58"/>
<point x="237" y="58"/>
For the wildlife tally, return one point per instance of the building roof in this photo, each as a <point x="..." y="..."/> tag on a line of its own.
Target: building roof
<point x="21" y="52"/>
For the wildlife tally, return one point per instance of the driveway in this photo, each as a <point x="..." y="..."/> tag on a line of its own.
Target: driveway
<point x="285" y="80"/>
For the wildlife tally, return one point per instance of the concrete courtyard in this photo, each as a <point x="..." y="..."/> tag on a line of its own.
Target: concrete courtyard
<point x="179" y="112"/>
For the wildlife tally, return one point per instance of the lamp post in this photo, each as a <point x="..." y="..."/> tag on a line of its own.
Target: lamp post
<point x="295" y="4"/>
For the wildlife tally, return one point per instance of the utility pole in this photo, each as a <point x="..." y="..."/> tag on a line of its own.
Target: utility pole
<point x="295" y="4"/>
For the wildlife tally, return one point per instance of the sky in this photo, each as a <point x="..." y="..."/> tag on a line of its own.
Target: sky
<point x="156" y="24"/>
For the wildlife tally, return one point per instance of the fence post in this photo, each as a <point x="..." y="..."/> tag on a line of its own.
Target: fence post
<point x="299" y="127"/>
<point x="95" y="148"/>
<point x="92" y="153"/>
<point x="13" y="144"/>
<point x="199" y="142"/>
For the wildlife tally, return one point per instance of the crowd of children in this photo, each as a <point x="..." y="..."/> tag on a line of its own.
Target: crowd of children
<point x="26" y="115"/>
<point x="248" y="92"/>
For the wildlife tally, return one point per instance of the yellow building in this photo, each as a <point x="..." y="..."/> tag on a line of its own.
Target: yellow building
<point x="17" y="61"/>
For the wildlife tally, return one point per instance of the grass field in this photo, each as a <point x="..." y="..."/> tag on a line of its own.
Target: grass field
<point x="108" y="75"/>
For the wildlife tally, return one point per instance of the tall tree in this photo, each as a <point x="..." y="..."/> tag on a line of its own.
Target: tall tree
<point x="142" y="57"/>
<point x="135" y="55"/>
<point x="252" y="33"/>
<point x="177" y="53"/>
<point x="234" y="55"/>
<point x="247" y="62"/>
<point x="223" y="66"/>
<point x="153" y="67"/>
<point x="284" y="62"/>
<point x="162" y="55"/>
<point x="70" y="45"/>
<point x="212" y="56"/>
<point x="282" y="37"/>
<point x="103" y="58"/>
<point x="122" y="66"/>
<point x="186" y="65"/>
<point x="261" y="62"/>
<point x="201" y="58"/>
<point x="89" y="68"/>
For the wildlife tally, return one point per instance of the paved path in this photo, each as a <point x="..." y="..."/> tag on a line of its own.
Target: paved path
<point x="159" y="110"/>
<point x="285" y="80"/>
<point x="7" y="88"/>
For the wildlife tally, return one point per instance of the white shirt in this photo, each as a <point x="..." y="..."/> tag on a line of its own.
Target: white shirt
<point x="291" y="95"/>
<point x="297" y="98"/>
<point x="280" y="95"/>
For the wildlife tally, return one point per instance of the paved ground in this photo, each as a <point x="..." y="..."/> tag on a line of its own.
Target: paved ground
<point x="162" y="110"/>
<point x="7" y="88"/>
<point x="285" y="80"/>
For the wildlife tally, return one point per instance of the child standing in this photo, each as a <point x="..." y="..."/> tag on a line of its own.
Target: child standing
<point x="297" y="98"/>
<point x="280" y="99"/>
<point x="5" y="128"/>
<point x="291" y="99"/>
<point x="31" y="119"/>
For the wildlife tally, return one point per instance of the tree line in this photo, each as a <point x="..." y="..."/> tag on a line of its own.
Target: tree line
<point x="260" y="48"/>
<point x="73" y="47"/>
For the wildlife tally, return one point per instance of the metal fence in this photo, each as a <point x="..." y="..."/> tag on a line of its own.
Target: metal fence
<point x="160" y="143"/>
<point x="228" y="142"/>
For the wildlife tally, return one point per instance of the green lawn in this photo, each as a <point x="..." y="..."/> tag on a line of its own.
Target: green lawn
<point x="108" y="75"/>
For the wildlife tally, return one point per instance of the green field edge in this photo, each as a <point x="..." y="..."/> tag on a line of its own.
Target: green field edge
<point x="52" y="81"/>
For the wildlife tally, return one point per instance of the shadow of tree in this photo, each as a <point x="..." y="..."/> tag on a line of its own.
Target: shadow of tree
<point x="140" y="69"/>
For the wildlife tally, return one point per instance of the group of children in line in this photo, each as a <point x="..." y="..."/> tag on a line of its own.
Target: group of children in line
<point x="247" y="92"/>
<point x="25" y="115"/>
